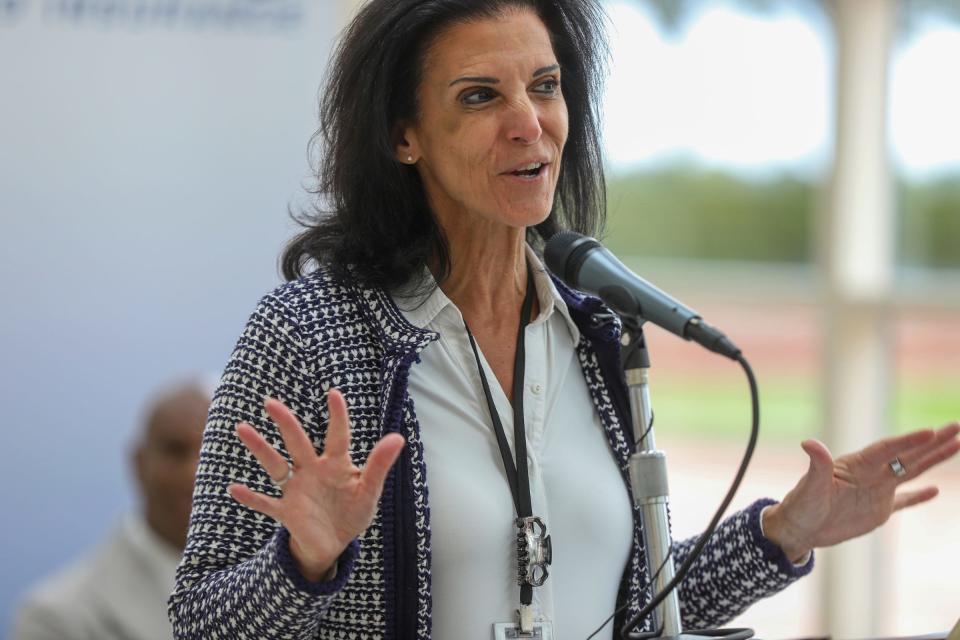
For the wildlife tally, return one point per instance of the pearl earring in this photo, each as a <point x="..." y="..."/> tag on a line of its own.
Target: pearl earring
<point x="410" y="159"/>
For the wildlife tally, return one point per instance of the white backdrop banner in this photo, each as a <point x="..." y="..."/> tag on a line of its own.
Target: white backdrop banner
<point x="149" y="153"/>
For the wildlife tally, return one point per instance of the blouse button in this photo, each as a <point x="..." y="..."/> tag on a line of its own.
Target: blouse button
<point x="537" y="388"/>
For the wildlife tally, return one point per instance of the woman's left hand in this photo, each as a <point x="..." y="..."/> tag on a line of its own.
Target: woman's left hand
<point x="840" y="499"/>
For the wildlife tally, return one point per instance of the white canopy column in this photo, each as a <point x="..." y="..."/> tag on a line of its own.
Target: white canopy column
<point x="857" y="262"/>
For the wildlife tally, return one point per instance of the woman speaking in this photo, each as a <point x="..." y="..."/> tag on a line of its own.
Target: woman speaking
<point x="415" y="436"/>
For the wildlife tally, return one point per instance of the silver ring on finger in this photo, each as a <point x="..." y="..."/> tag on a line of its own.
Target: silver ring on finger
<point x="285" y="479"/>
<point x="897" y="467"/>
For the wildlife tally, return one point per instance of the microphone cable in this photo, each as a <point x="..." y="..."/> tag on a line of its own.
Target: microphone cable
<point x="729" y="634"/>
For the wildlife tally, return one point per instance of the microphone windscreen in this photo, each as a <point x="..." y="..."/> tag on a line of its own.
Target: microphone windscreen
<point x="564" y="254"/>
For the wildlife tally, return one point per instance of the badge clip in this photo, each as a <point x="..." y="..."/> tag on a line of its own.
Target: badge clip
<point x="534" y="551"/>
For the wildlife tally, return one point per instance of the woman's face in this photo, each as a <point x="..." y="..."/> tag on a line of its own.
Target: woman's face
<point x="491" y="124"/>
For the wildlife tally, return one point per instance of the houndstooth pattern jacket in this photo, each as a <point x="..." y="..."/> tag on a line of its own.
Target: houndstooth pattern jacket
<point x="237" y="579"/>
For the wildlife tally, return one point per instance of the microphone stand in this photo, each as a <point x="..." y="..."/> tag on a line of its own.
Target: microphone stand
<point x="648" y="479"/>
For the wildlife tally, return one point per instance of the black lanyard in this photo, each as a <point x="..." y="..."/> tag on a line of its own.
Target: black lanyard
<point x="517" y="474"/>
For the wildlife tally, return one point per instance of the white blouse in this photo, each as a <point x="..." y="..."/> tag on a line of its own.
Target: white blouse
<point x="575" y="485"/>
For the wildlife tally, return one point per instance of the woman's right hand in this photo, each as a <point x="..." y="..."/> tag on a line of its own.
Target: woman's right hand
<point x="328" y="501"/>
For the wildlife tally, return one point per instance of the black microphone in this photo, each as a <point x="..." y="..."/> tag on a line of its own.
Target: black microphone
<point x="585" y="264"/>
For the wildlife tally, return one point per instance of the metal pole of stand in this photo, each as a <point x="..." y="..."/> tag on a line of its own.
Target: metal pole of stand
<point x="648" y="478"/>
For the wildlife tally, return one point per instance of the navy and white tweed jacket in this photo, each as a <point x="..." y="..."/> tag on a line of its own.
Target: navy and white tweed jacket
<point x="237" y="579"/>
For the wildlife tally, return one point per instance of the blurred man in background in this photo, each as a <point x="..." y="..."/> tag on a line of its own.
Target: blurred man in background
<point x="120" y="589"/>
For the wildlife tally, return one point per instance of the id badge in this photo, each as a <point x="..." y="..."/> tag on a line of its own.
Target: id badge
<point x="541" y="630"/>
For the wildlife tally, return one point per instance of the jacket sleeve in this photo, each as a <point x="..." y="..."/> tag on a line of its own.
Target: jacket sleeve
<point x="738" y="566"/>
<point x="237" y="578"/>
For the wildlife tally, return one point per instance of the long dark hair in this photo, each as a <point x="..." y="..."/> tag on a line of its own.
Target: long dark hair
<point x="371" y="219"/>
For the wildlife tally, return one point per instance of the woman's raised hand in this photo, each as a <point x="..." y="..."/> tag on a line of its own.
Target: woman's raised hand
<point x="840" y="499"/>
<point x="327" y="501"/>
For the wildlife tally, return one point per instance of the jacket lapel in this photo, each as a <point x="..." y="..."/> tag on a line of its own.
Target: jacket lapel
<point x="403" y="506"/>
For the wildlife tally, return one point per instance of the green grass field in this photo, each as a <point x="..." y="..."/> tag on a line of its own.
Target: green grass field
<point x="790" y="407"/>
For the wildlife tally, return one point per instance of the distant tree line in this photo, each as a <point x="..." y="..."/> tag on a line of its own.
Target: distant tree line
<point x="930" y="224"/>
<point x="689" y="212"/>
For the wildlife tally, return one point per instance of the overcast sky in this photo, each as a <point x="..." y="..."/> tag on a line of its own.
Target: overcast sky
<point x="754" y="92"/>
